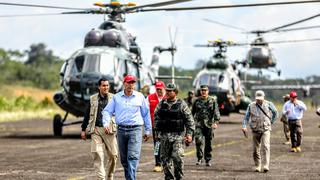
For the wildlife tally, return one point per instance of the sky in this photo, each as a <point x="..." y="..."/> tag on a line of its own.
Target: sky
<point x="64" y="34"/>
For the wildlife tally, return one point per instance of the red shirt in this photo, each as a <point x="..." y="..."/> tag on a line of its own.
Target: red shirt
<point x="153" y="102"/>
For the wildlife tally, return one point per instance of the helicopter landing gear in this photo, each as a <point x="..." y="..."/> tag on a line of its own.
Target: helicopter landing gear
<point x="58" y="124"/>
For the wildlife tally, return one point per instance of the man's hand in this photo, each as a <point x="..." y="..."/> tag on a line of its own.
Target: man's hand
<point x="106" y="130"/>
<point x="214" y="126"/>
<point x="288" y="111"/>
<point x="83" y="135"/>
<point x="146" y="137"/>
<point x="188" y="140"/>
<point x="245" y="132"/>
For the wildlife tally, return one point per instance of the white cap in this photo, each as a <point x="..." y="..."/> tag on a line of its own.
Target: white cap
<point x="260" y="95"/>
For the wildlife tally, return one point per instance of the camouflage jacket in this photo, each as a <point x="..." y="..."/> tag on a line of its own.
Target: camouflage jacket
<point x="205" y="112"/>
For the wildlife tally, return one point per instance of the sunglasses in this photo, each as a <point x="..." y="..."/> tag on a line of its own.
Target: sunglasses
<point x="204" y="90"/>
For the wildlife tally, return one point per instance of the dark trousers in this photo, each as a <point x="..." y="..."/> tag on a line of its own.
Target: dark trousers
<point x="295" y="127"/>
<point x="204" y="135"/>
<point x="156" y="157"/>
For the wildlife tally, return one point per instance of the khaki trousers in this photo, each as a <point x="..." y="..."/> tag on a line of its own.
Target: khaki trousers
<point x="261" y="138"/>
<point x="295" y="133"/>
<point x="101" y="141"/>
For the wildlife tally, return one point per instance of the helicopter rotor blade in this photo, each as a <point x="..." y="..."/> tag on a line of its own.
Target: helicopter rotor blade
<point x="230" y="6"/>
<point x="40" y="6"/>
<point x="159" y="4"/>
<point x="294" y="41"/>
<point x="223" y="24"/>
<point x="30" y="15"/>
<point x="293" y="23"/>
<point x="299" y="28"/>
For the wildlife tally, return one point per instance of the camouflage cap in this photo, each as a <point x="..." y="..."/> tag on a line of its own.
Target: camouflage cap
<point x="204" y="86"/>
<point x="171" y="87"/>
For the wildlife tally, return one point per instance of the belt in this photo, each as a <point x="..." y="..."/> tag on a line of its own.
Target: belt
<point x="129" y="126"/>
<point x="293" y="119"/>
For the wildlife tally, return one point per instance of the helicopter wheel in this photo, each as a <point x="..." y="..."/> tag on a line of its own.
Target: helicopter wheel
<point x="57" y="125"/>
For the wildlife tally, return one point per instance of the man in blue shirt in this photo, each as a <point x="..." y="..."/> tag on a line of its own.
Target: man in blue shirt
<point x="294" y="110"/>
<point x="261" y="114"/>
<point x="131" y="112"/>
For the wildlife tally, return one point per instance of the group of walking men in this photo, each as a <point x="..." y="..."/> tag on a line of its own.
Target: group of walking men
<point x="115" y="123"/>
<point x="261" y="114"/>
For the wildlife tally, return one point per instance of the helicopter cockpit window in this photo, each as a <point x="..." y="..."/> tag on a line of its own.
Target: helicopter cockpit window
<point x="107" y="64"/>
<point x="92" y="63"/>
<point x="79" y="63"/>
<point x="210" y="79"/>
<point x="223" y="82"/>
<point x="63" y="69"/>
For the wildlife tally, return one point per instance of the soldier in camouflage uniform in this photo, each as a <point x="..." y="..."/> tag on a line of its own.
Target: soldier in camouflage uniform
<point x="190" y="99"/>
<point x="171" y="117"/>
<point x="284" y="120"/>
<point x="206" y="115"/>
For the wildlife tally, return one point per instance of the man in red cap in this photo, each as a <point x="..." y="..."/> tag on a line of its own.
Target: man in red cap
<point x="294" y="110"/>
<point x="131" y="112"/>
<point x="153" y="100"/>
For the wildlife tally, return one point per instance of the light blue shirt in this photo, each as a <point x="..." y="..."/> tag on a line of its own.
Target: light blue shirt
<point x="295" y="111"/>
<point x="128" y="110"/>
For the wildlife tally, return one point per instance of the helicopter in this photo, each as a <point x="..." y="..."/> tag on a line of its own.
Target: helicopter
<point x="109" y="51"/>
<point x="260" y="55"/>
<point x="223" y="79"/>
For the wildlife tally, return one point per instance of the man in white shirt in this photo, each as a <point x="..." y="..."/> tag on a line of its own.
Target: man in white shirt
<point x="294" y="110"/>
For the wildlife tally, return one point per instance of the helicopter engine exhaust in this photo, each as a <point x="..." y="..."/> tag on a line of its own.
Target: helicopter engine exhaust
<point x="61" y="101"/>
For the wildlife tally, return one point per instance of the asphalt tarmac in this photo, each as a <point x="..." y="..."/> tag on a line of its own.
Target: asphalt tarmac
<point x="28" y="150"/>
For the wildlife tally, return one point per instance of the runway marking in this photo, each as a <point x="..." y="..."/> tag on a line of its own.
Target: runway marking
<point x="76" y="178"/>
<point x="193" y="152"/>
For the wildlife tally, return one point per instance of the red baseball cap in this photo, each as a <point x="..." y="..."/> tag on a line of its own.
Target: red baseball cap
<point x="160" y="85"/>
<point x="129" y="78"/>
<point x="293" y="94"/>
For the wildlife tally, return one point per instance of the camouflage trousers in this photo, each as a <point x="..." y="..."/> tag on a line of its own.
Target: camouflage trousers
<point x="171" y="152"/>
<point x="286" y="129"/>
<point x="203" y="135"/>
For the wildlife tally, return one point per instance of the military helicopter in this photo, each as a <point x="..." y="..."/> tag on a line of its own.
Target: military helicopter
<point x="109" y="51"/>
<point x="223" y="80"/>
<point x="260" y="55"/>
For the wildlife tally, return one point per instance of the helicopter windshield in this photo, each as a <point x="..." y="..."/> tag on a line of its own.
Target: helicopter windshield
<point x="100" y="63"/>
<point x="209" y="79"/>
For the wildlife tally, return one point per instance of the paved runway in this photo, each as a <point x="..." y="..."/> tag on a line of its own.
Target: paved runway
<point x="29" y="151"/>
